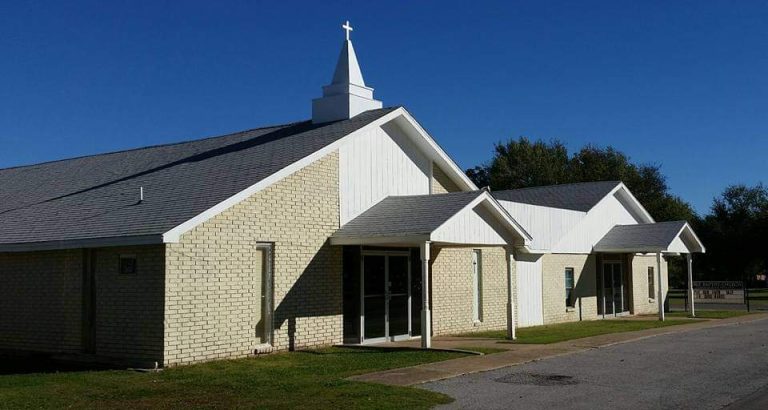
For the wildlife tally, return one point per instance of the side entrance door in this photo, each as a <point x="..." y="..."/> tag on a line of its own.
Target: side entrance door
<point x="615" y="292"/>
<point x="385" y="296"/>
<point x="529" y="291"/>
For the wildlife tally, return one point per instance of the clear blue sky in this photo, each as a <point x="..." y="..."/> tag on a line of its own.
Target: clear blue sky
<point x="682" y="84"/>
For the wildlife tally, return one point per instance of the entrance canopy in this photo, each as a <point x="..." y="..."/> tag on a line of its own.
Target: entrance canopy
<point x="459" y="218"/>
<point x="674" y="237"/>
<point x="471" y="218"/>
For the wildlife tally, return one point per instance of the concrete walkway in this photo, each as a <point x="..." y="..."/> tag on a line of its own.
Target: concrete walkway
<point x="520" y="353"/>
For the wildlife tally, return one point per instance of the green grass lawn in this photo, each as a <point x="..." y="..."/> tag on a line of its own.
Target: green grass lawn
<point x="311" y="379"/>
<point x="577" y="330"/>
<point x="711" y="314"/>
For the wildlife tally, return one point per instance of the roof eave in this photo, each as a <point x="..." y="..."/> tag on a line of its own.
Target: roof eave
<point x="82" y="243"/>
<point x="379" y="240"/>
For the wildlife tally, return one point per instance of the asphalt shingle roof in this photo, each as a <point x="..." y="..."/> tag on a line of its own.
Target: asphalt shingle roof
<point x="654" y="236"/>
<point x="578" y="197"/>
<point x="97" y="196"/>
<point x="406" y="215"/>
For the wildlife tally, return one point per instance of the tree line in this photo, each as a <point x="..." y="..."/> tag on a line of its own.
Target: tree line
<point x="734" y="231"/>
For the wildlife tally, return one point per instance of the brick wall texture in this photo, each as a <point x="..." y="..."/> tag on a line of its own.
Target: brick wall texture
<point x="41" y="303"/>
<point x="553" y="287"/>
<point x="211" y="273"/>
<point x="452" y="290"/>
<point x="641" y="304"/>
<point x="586" y="281"/>
<point x="441" y="183"/>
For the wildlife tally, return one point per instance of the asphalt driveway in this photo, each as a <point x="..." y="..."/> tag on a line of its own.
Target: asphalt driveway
<point x="701" y="369"/>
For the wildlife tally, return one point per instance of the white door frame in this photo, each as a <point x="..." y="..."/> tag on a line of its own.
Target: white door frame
<point x="614" y="312"/>
<point x="387" y="337"/>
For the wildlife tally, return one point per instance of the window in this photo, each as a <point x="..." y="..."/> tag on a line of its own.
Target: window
<point x="127" y="264"/>
<point x="569" y="299"/>
<point x="651" y="288"/>
<point x="477" y="286"/>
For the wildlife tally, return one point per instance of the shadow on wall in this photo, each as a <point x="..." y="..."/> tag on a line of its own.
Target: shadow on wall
<point x="586" y="284"/>
<point x="316" y="293"/>
<point x="40" y="301"/>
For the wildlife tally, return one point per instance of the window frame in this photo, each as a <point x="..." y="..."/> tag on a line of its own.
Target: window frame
<point x="570" y="300"/>
<point x="477" y="286"/>
<point x="652" y="283"/>
<point x="121" y="267"/>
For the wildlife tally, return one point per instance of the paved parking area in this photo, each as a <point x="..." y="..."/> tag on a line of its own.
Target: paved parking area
<point x="702" y="369"/>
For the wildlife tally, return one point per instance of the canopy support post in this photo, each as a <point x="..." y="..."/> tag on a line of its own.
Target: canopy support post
<point x="426" y="317"/>
<point x="689" y="259"/>
<point x="660" y="297"/>
<point x="510" y="296"/>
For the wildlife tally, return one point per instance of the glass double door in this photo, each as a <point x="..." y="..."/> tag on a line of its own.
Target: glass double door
<point x="615" y="289"/>
<point x="386" y="297"/>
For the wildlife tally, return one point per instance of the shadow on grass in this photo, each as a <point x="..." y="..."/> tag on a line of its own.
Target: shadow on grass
<point x="38" y="363"/>
<point x="341" y="350"/>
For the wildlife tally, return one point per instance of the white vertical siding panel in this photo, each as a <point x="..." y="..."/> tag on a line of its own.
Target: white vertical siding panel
<point x="469" y="227"/>
<point x="376" y="164"/>
<point x="566" y="231"/>
<point x="529" y="291"/>
<point x="546" y="225"/>
<point x="604" y="216"/>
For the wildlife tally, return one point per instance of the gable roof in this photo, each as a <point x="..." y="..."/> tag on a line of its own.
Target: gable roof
<point x="97" y="196"/>
<point x="580" y="196"/>
<point x="653" y="237"/>
<point x="408" y="215"/>
<point x="417" y="216"/>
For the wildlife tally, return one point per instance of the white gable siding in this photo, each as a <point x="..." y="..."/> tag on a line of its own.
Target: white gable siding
<point x="470" y="226"/>
<point x="376" y="164"/>
<point x="546" y="225"/>
<point x="557" y="230"/>
<point x="600" y="219"/>
<point x="678" y="246"/>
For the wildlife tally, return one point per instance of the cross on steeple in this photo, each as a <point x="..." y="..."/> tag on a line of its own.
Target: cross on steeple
<point x="347" y="28"/>
<point x="346" y="95"/>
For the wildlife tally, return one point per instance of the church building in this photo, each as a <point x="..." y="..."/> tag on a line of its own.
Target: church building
<point x="351" y="227"/>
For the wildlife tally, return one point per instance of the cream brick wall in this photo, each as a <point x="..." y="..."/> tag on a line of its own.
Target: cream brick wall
<point x="641" y="304"/>
<point x="210" y="296"/>
<point x="585" y="275"/>
<point x="553" y="292"/>
<point x="441" y="184"/>
<point x="129" y="307"/>
<point x="40" y="303"/>
<point x="452" y="290"/>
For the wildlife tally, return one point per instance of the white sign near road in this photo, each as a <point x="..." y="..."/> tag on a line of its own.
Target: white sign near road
<point x="729" y="291"/>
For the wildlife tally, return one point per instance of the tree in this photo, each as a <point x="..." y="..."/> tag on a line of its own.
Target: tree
<point x="522" y="163"/>
<point x="735" y="232"/>
<point x="480" y="175"/>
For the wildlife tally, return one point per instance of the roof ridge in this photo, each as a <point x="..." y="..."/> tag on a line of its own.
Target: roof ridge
<point x="683" y="222"/>
<point x="155" y="146"/>
<point x="435" y="194"/>
<point x="559" y="185"/>
<point x="669" y="222"/>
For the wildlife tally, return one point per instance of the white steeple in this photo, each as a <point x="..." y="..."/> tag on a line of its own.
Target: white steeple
<point x="347" y="94"/>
